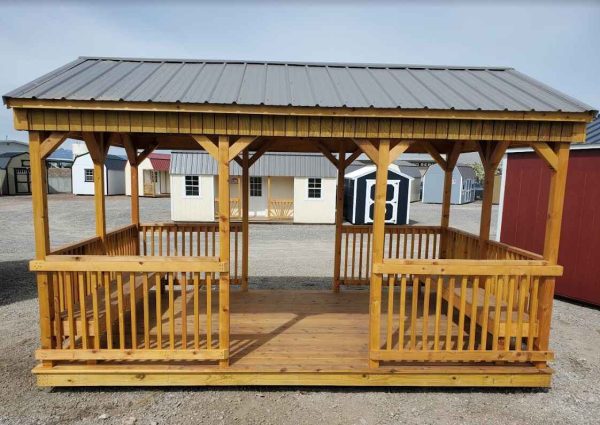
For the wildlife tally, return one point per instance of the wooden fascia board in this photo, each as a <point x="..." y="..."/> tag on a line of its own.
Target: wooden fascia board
<point x="301" y="110"/>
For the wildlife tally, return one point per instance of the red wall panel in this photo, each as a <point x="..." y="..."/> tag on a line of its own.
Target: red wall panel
<point x="524" y="218"/>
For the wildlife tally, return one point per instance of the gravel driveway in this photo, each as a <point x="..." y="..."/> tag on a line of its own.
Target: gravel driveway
<point x="574" y="398"/>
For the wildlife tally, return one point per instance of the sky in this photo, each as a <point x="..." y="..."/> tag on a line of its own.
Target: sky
<point x="554" y="42"/>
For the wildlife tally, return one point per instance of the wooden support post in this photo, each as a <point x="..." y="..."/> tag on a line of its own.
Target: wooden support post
<point x="486" y="209"/>
<point x="98" y="148"/>
<point x="268" y="196"/>
<point x="135" y="199"/>
<point x="224" y="253"/>
<point x="378" y="247"/>
<point x="245" y="217"/>
<point x="339" y="217"/>
<point x="42" y="237"/>
<point x="558" y="183"/>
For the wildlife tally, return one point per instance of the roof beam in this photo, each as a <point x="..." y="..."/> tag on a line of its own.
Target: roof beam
<point x="327" y="153"/>
<point x="547" y="154"/>
<point x="239" y="146"/>
<point x="368" y="148"/>
<point x="207" y="144"/>
<point x="52" y="142"/>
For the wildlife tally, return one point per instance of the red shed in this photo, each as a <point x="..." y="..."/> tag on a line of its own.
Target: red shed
<point x="524" y="208"/>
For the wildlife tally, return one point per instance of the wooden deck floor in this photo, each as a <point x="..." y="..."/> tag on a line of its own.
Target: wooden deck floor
<point x="285" y="337"/>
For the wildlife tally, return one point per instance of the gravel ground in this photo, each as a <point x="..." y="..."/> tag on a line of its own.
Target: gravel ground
<point x="574" y="398"/>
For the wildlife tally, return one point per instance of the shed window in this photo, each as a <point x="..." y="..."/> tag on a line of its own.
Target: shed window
<point x="89" y="174"/>
<point x="255" y="186"/>
<point x="192" y="186"/>
<point x="314" y="188"/>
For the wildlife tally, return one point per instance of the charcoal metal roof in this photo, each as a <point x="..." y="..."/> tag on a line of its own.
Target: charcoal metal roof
<point x="5" y="157"/>
<point x="297" y="84"/>
<point x="269" y="164"/>
<point x="592" y="134"/>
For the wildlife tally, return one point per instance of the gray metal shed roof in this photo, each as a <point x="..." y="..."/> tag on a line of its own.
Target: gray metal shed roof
<point x="405" y="167"/>
<point x="297" y="84"/>
<point x="7" y="156"/>
<point x="592" y="134"/>
<point x="269" y="164"/>
<point x="467" y="171"/>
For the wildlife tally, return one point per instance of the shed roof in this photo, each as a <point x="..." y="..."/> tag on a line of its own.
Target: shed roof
<point x="269" y="164"/>
<point x="592" y="134"/>
<point x="160" y="161"/>
<point x="297" y="84"/>
<point x="112" y="162"/>
<point x="7" y="156"/>
<point x="404" y="166"/>
<point x="466" y="171"/>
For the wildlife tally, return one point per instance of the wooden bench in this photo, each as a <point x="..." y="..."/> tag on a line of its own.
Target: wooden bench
<point x="102" y="312"/>
<point x="502" y="329"/>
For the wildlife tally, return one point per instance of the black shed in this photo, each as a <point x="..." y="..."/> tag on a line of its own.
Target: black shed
<point x="359" y="196"/>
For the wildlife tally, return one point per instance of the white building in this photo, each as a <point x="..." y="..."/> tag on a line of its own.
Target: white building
<point x="296" y="187"/>
<point x="153" y="176"/>
<point x="83" y="175"/>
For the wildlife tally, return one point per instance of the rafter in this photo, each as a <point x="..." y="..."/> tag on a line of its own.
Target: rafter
<point x="207" y="144"/>
<point x="399" y="149"/>
<point x="544" y="151"/>
<point x="327" y="153"/>
<point x="368" y="148"/>
<point x="239" y="145"/>
<point x="52" y="142"/>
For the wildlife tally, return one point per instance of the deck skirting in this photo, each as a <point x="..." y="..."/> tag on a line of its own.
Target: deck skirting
<point x="405" y="376"/>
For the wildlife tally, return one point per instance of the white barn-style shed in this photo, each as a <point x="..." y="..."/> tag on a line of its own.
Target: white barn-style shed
<point x="153" y="177"/>
<point x="463" y="185"/>
<point x="83" y="175"/>
<point x="283" y="186"/>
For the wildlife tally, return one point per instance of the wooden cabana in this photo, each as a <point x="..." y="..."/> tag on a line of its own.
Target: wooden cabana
<point x="166" y="304"/>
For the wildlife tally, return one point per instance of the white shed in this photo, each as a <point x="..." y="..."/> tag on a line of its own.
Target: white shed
<point x="83" y="175"/>
<point x="463" y="185"/>
<point x="153" y="175"/>
<point x="294" y="187"/>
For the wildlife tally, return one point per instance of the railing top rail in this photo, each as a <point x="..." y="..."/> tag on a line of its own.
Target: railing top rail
<point x="100" y="263"/>
<point x="75" y="245"/>
<point x="514" y="249"/>
<point x="185" y="224"/>
<point x="349" y="227"/>
<point x="468" y="267"/>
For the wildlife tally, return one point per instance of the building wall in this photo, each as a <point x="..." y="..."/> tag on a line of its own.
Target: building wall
<point x="524" y="210"/>
<point x="281" y="188"/>
<point x="314" y="210"/>
<point x="59" y="180"/>
<point x="114" y="180"/>
<point x="162" y="186"/>
<point x="199" y="208"/>
<point x="433" y="186"/>
<point x="3" y="183"/>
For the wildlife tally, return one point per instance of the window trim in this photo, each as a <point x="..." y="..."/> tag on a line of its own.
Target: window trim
<point x="85" y="175"/>
<point x="185" y="185"/>
<point x="308" y="188"/>
<point x="250" y="187"/>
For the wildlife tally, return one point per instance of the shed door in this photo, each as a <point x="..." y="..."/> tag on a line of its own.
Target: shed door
<point x="391" y="201"/>
<point x="22" y="181"/>
<point x="149" y="183"/>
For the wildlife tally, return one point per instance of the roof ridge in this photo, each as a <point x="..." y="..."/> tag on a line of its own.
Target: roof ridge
<point x="297" y="63"/>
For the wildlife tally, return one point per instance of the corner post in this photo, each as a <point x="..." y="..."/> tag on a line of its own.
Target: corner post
<point x="486" y="208"/>
<point x="98" y="148"/>
<point x="42" y="237"/>
<point x="135" y="186"/>
<point x="224" y="253"/>
<point x="245" y="215"/>
<point x="378" y="248"/>
<point x="558" y="183"/>
<point x="339" y="217"/>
